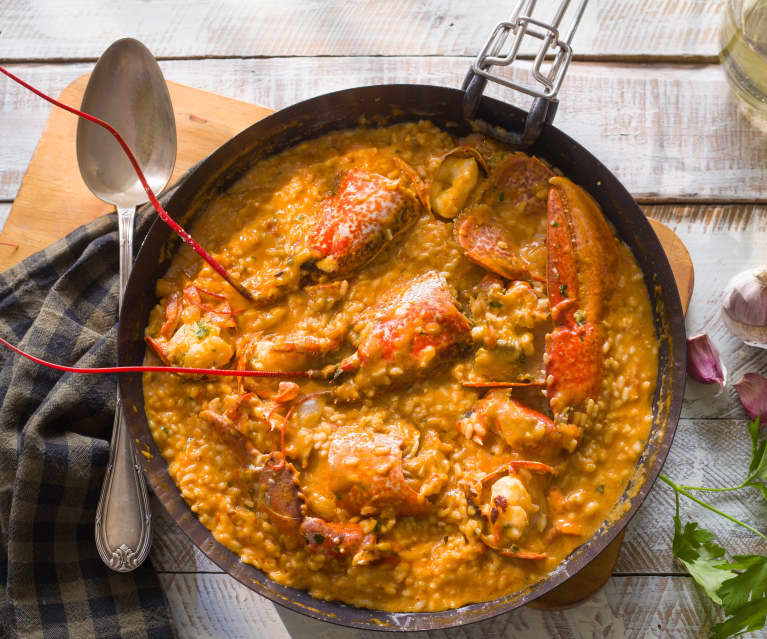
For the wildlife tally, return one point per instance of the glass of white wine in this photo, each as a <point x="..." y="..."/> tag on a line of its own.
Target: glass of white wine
<point x="744" y="50"/>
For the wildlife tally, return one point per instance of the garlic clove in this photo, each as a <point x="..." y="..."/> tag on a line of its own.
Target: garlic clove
<point x="744" y="306"/>
<point x="703" y="362"/>
<point x="752" y="390"/>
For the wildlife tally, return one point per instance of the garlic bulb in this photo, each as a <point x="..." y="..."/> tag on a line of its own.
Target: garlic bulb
<point x="744" y="308"/>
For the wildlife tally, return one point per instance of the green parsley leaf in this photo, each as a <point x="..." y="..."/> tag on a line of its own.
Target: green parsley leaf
<point x="501" y="197"/>
<point x="495" y="304"/>
<point x="601" y="489"/>
<point x="563" y="290"/>
<point x="704" y="559"/>
<point x="757" y="469"/>
<point x="744" y="596"/>
<point x="201" y="330"/>
<point x="580" y="317"/>
<point x="318" y="538"/>
<point x="739" y="587"/>
<point x="554" y="224"/>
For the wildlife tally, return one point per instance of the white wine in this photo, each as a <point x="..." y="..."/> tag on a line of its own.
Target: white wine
<point x="744" y="50"/>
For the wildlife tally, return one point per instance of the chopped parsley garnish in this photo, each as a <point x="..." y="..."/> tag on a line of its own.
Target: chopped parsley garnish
<point x="580" y="317"/>
<point x="563" y="290"/>
<point x="318" y="538"/>
<point x="555" y="224"/>
<point x="601" y="489"/>
<point x="495" y="304"/>
<point x="201" y="330"/>
<point x="501" y="197"/>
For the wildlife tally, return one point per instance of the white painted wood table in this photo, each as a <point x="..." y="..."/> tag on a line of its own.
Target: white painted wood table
<point x="645" y="94"/>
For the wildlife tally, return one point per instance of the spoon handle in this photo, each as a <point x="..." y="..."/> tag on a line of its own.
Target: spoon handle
<point x="123" y="516"/>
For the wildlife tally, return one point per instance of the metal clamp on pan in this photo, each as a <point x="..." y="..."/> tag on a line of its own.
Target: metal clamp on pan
<point x="545" y="83"/>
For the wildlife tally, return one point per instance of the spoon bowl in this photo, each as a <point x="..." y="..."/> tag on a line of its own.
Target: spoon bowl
<point x="127" y="90"/>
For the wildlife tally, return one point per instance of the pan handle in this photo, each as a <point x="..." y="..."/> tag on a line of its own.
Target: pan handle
<point x="545" y="81"/>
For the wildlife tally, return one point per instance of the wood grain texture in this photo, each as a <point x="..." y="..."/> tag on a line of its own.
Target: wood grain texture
<point x="626" y="608"/>
<point x="704" y="453"/>
<point x="722" y="240"/>
<point x="668" y="132"/>
<point x="5" y="209"/>
<point x="53" y="199"/>
<point x="679" y="260"/>
<point x="84" y="28"/>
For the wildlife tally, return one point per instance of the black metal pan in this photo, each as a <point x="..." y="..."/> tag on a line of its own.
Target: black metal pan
<point x="447" y="108"/>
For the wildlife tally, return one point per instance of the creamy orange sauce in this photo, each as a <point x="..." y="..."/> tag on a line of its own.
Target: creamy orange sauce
<point x="397" y="491"/>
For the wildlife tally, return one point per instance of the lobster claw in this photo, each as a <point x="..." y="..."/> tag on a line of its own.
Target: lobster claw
<point x="582" y="258"/>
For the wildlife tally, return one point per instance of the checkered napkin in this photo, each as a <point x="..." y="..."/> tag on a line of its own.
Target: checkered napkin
<point x="61" y="304"/>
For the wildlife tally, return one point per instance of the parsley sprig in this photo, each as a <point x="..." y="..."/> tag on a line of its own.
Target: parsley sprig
<point x="740" y="585"/>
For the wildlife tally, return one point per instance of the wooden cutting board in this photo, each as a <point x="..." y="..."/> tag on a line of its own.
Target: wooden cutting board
<point x="53" y="200"/>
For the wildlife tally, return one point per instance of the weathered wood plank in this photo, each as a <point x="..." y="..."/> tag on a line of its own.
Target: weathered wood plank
<point x="627" y="607"/>
<point x="668" y="132"/>
<point x="704" y="453"/>
<point x="616" y="28"/>
<point x="172" y="551"/>
<point x="722" y="241"/>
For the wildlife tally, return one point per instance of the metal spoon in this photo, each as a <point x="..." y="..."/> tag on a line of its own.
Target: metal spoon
<point x="127" y="90"/>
